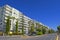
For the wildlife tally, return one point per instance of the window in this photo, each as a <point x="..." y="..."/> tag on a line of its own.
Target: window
<point x="14" y="12"/>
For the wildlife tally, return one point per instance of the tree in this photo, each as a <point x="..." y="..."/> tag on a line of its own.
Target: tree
<point x="39" y="29"/>
<point x="43" y="30"/>
<point x="22" y="25"/>
<point x="22" y="30"/>
<point x="7" y="25"/>
<point x="32" y="28"/>
<point x="51" y="31"/>
<point x="58" y="28"/>
<point x="29" y="22"/>
<point x="16" y="27"/>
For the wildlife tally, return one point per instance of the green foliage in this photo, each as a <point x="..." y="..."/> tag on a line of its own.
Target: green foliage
<point x="22" y="30"/>
<point x="32" y="29"/>
<point x="17" y="27"/>
<point x="39" y="33"/>
<point x="43" y="30"/>
<point x="8" y="25"/>
<point x="22" y="25"/>
<point x="51" y="31"/>
<point x="38" y="29"/>
<point x="14" y="33"/>
<point x="1" y="33"/>
<point x="58" y="28"/>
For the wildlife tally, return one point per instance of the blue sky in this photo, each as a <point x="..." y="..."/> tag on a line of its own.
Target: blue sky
<point x="45" y="11"/>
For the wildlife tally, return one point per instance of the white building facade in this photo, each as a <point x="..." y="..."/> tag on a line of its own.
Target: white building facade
<point x="15" y="15"/>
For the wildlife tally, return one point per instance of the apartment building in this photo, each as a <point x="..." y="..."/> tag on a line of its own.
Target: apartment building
<point x="15" y="15"/>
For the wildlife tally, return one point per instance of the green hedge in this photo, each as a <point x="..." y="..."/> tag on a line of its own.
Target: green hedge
<point x="14" y="33"/>
<point x="39" y="33"/>
<point x="1" y="33"/>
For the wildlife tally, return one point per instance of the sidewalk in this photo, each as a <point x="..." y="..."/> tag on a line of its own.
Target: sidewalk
<point x="59" y="37"/>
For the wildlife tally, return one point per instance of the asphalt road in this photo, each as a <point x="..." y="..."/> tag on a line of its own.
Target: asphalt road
<point x="44" y="37"/>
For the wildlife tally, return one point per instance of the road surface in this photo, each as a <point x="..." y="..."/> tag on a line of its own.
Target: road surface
<point x="42" y="37"/>
<point x="59" y="37"/>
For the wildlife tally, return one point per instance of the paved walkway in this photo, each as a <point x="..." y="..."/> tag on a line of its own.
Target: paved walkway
<point x="59" y="37"/>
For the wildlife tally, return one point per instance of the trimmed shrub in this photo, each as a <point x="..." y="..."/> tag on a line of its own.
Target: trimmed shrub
<point x="1" y="33"/>
<point x="14" y="33"/>
<point x="39" y="33"/>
